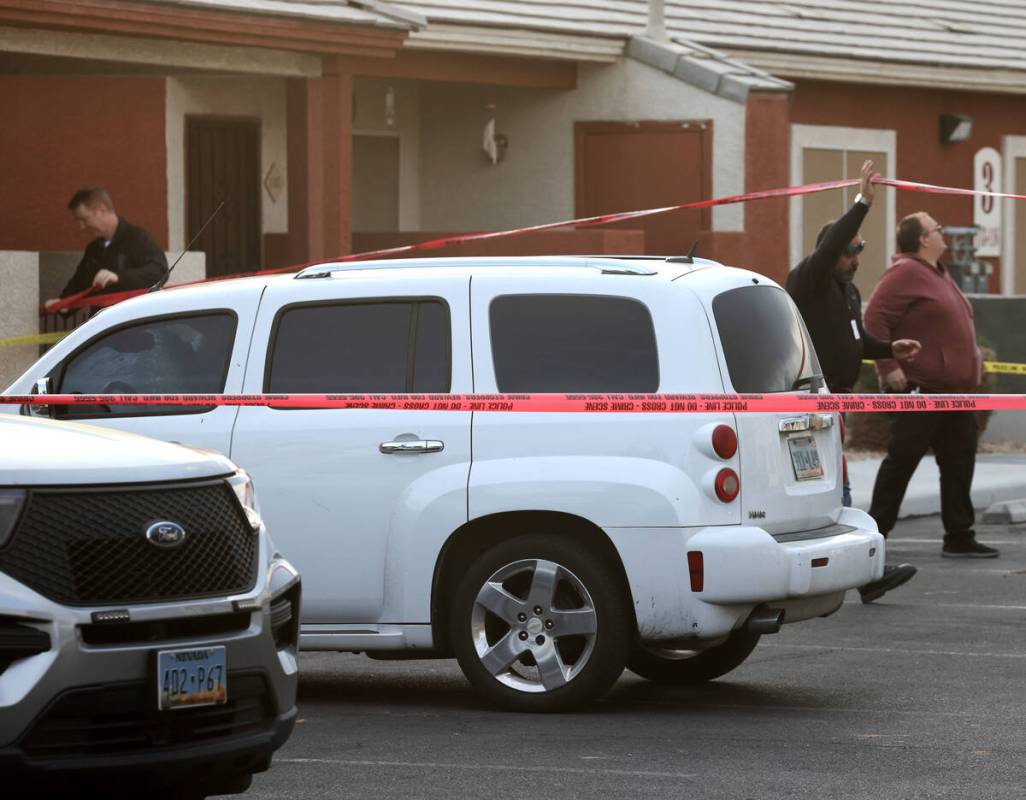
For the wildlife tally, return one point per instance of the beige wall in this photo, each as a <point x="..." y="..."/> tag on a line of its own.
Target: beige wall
<point x="253" y="98"/>
<point x="369" y="117"/>
<point x="461" y="190"/>
<point x="19" y="315"/>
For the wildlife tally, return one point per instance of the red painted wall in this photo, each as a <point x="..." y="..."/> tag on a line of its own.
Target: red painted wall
<point x="60" y="133"/>
<point x="914" y="114"/>
<point x="767" y="166"/>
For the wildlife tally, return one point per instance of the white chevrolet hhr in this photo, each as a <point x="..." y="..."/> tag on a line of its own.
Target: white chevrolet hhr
<point x="546" y="551"/>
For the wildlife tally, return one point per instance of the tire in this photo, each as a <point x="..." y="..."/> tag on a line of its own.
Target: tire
<point x="682" y="667"/>
<point x="559" y="659"/>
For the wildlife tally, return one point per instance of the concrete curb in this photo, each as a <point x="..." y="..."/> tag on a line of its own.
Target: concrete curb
<point x="1009" y="512"/>
<point x="997" y="480"/>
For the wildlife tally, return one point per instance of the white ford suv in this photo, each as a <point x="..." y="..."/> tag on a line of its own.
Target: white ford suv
<point x="546" y="551"/>
<point x="147" y="625"/>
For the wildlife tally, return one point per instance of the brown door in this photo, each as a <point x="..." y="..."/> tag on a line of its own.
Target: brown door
<point x="223" y="157"/>
<point x="630" y="166"/>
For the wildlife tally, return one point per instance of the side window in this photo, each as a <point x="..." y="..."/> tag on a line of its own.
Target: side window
<point x="361" y="347"/>
<point x="186" y="355"/>
<point x="573" y="343"/>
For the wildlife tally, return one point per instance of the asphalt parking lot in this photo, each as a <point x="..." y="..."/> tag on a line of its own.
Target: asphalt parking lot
<point x="919" y="695"/>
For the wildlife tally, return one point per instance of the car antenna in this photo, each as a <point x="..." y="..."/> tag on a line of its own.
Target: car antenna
<point x="688" y="259"/>
<point x="160" y="284"/>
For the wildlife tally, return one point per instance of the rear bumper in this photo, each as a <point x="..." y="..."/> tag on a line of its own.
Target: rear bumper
<point x="747" y="565"/>
<point x="805" y="574"/>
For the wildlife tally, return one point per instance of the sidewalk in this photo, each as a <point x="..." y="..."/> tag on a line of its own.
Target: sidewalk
<point x="998" y="477"/>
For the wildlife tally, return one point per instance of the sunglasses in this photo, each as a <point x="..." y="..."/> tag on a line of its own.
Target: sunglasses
<point x="854" y="249"/>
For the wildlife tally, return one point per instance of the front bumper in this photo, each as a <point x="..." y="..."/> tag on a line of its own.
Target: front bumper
<point x="88" y="705"/>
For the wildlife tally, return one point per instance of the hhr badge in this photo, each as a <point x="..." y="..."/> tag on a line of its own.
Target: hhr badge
<point x="165" y="534"/>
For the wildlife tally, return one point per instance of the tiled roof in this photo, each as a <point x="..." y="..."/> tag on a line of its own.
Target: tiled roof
<point x="967" y="34"/>
<point x="351" y="12"/>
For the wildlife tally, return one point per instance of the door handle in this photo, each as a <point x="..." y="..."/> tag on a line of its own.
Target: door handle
<point x="412" y="446"/>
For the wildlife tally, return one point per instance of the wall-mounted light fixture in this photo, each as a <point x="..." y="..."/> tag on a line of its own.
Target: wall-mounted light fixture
<point x="955" y="128"/>
<point x="390" y="107"/>
<point x="494" y="144"/>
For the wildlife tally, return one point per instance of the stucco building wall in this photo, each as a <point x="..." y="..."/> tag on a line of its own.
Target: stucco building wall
<point x="461" y="190"/>
<point x="262" y="99"/>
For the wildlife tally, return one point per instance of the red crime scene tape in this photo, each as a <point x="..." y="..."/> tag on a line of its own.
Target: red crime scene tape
<point x="86" y="298"/>
<point x="567" y="403"/>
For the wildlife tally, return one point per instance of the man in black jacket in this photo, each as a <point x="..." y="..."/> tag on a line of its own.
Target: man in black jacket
<point x="120" y="258"/>
<point x="823" y="289"/>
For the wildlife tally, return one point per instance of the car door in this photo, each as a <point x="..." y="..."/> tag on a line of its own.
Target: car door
<point x="360" y="500"/>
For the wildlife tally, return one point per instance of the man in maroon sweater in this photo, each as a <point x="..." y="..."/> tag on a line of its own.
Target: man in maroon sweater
<point x="917" y="299"/>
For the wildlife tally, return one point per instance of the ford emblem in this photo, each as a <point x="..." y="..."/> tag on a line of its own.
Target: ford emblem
<point x="165" y="534"/>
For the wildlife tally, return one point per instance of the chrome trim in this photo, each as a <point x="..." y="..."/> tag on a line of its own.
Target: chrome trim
<point x="412" y="446"/>
<point x="806" y="422"/>
<point x="609" y="267"/>
<point x="794" y="424"/>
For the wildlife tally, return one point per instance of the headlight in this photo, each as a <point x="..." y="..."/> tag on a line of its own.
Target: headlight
<point x="242" y="484"/>
<point x="11" y="502"/>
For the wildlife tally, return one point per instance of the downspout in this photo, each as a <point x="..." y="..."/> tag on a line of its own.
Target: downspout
<point x="657" y="21"/>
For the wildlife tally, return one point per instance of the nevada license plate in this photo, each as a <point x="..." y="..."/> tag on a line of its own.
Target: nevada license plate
<point x="192" y="677"/>
<point x="805" y="458"/>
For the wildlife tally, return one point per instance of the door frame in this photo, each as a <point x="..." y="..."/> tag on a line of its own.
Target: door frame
<point x="830" y="137"/>
<point x="1012" y="147"/>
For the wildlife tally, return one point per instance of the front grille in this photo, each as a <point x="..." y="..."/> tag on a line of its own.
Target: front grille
<point x="90" y="548"/>
<point x="123" y="719"/>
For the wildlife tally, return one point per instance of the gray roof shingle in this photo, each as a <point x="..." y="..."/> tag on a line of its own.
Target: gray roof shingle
<point x="973" y="34"/>
<point x="351" y="12"/>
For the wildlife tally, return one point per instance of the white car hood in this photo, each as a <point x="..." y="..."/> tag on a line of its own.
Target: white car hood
<point x="37" y="452"/>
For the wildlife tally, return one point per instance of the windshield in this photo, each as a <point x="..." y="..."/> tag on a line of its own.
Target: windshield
<point x="765" y="343"/>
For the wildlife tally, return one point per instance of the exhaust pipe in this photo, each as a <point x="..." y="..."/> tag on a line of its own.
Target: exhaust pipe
<point x="765" y="620"/>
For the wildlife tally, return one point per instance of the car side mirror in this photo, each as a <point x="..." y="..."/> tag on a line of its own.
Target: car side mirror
<point x="43" y="386"/>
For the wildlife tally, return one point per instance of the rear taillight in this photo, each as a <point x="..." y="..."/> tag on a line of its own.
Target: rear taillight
<point x="727" y="485"/>
<point x="696" y="569"/>
<point x="724" y="441"/>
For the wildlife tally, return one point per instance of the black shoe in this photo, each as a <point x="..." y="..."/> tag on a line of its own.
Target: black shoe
<point x="968" y="549"/>
<point x="892" y="578"/>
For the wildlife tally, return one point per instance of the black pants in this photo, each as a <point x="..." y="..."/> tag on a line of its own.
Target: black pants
<point x="952" y="435"/>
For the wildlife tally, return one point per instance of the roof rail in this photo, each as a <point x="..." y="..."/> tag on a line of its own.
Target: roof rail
<point x="327" y="270"/>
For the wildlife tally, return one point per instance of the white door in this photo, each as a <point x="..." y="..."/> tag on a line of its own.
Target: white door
<point x="362" y="517"/>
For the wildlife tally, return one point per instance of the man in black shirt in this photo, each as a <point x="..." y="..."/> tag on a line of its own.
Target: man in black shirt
<point x="120" y="258"/>
<point x="823" y="289"/>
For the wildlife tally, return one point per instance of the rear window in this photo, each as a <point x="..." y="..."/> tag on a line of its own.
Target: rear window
<point x="573" y="343"/>
<point x="765" y="344"/>
<point x="401" y="346"/>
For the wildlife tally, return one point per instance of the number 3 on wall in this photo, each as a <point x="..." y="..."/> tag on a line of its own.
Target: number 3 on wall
<point x="986" y="210"/>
